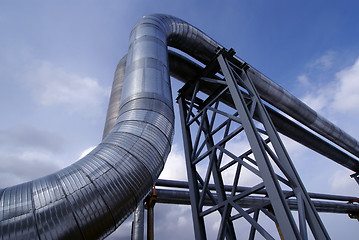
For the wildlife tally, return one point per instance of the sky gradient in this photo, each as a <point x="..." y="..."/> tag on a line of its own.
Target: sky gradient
<point x="57" y="61"/>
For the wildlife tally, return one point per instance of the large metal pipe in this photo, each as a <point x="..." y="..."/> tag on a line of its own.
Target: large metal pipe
<point x="192" y="41"/>
<point x="138" y="223"/>
<point x="184" y="185"/>
<point x="91" y="197"/>
<point x="183" y="197"/>
<point x="185" y="70"/>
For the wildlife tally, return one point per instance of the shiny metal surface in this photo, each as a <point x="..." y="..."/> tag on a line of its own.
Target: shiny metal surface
<point x="185" y="70"/>
<point x="183" y="197"/>
<point x="93" y="196"/>
<point x="138" y="223"/>
<point x="114" y="103"/>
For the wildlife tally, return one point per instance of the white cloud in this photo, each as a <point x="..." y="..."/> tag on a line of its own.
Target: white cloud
<point x="346" y="97"/>
<point x="27" y="153"/>
<point x="175" y="168"/>
<point x="341" y="183"/>
<point x="320" y="99"/>
<point x="303" y="79"/>
<point x="53" y="86"/>
<point x="337" y="99"/>
<point x="29" y="137"/>
<point x="24" y="166"/>
<point x="86" y="151"/>
<point x="324" y="62"/>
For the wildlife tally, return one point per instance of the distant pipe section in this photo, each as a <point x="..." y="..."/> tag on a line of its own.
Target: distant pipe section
<point x="92" y="197"/>
<point x="184" y="185"/>
<point x="150" y="202"/>
<point x="138" y="223"/>
<point x="185" y="70"/>
<point x="167" y="196"/>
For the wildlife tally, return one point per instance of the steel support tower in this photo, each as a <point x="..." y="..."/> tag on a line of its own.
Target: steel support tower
<point x="211" y="134"/>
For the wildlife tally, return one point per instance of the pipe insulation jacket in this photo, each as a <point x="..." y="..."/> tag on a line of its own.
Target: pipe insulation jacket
<point x="186" y="70"/>
<point x="93" y="196"/>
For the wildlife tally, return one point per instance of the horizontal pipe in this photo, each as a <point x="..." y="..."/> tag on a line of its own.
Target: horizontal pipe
<point x="166" y="196"/>
<point x="184" y="185"/>
<point x="186" y="71"/>
<point x="203" y="48"/>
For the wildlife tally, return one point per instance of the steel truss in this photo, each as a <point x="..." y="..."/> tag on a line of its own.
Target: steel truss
<point x="214" y="135"/>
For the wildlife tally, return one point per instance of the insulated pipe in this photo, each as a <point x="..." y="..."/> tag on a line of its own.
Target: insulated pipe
<point x="183" y="197"/>
<point x="228" y="188"/>
<point x="185" y="37"/>
<point x="138" y="224"/>
<point x="192" y="41"/>
<point x="185" y="70"/>
<point x="93" y="196"/>
<point x="113" y="108"/>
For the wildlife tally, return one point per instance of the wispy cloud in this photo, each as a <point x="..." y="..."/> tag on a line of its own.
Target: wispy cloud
<point x="303" y="80"/>
<point x="28" y="137"/>
<point x="333" y="93"/>
<point x="346" y="97"/>
<point x="323" y="62"/>
<point x="18" y="167"/>
<point x="342" y="185"/>
<point x="337" y="94"/>
<point x="53" y="86"/>
<point x="86" y="151"/>
<point x="175" y="168"/>
<point x="27" y="153"/>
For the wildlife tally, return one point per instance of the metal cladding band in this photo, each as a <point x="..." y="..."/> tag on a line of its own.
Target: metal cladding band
<point x="93" y="196"/>
<point x="115" y="97"/>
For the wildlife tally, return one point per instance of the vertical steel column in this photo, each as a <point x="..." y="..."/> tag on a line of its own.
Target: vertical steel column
<point x="198" y="222"/>
<point x="150" y="224"/>
<point x="150" y="202"/>
<point x="278" y="202"/>
<point x="138" y="223"/>
<point x="280" y="206"/>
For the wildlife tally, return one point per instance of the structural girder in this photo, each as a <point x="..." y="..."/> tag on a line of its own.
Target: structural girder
<point x="212" y="135"/>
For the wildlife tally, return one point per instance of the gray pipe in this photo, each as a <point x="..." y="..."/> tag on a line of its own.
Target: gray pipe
<point x="181" y="184"/>
<point x="113" y="108"/>
<point x="185" y="70"/>
<point x="138" y="224"/>
<point x="93" y="196"/>
<point x="183" y="197"/>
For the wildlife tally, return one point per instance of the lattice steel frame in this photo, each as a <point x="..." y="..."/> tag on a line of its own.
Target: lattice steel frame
<point x="202" y="119"/>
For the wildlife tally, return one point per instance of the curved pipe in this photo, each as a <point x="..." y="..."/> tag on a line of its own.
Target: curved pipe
<point x="186" y="70"/>
<point x="91" y="197"/>
<point x="192" y="41"/>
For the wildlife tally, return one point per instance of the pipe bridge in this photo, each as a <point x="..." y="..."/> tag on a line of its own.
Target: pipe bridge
<point x="225" y="101"/>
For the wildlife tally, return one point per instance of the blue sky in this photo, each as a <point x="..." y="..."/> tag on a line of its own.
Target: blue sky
<point x="57" y="60"/>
